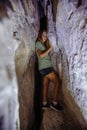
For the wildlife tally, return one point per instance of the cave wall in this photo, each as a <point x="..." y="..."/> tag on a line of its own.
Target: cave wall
<point x="8" y="82"/>
<point x="19" y="26"/>
<point x="26" y="34"/>
<point x="71" y="26"/>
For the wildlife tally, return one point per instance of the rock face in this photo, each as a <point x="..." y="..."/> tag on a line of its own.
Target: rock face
<point x="71" y="25"/>
<point x="69" y="52"/>
<point x="27" y="30"/>
<point x="19" y="25"/>
<point x="8" y="82"/>
<point x="26" y="97"/>
<point x="18" y="31"/>
<point x="53" y="120"/>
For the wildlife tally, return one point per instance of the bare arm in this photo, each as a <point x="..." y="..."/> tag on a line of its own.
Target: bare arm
<point x="43" y="53"/>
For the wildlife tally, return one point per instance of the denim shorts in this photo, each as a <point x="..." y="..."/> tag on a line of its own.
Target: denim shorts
<point x="46" y="71"/>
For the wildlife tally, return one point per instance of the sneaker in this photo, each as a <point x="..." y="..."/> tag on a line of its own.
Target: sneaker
<point x="56" y="107"/>
<point x="44" y="107"/>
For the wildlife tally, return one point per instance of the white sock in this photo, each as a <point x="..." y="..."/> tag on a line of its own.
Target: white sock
<point x="44" y="103"/>
<point x="55" y="102"/>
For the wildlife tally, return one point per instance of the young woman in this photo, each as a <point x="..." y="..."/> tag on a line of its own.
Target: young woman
<point x="43" y="48"/>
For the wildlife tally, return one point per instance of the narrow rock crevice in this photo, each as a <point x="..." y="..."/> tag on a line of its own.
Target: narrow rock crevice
<point x="21" y="83"/>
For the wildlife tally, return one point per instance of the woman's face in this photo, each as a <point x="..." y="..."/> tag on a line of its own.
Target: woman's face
<point x="44" y="36"/>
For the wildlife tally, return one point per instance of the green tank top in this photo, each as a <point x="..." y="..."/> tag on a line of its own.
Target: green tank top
<point x="44" y="62"/>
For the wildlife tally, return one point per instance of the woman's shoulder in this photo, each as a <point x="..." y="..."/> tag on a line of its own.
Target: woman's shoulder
<point x="38" y="43"/>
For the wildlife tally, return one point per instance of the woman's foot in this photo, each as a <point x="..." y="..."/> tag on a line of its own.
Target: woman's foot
<point x="45" y="106"/>
<point x="56" y="107"/>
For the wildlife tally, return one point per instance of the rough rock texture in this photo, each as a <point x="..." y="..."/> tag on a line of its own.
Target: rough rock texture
<point x="54" y="8"/>
<point x="53" y="120"/>
<point x="69" y="52"/>
<point x="8" y="82"/>
<point x="18" y="31"/>
<point x="26" y="33"/>
<point x="26" y="96"/>
<point x="71" y="25"/>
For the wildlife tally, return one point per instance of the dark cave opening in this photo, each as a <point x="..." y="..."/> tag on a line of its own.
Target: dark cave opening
<point x="38" y="79"/>
<point x="37" y="98"/>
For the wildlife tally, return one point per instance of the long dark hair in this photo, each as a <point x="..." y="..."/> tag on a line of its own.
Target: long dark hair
<point x="39" y="38"/>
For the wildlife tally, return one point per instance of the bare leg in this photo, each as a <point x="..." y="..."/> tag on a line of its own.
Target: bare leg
<point x="53" y="77"/>
<point x="45" y="88"/>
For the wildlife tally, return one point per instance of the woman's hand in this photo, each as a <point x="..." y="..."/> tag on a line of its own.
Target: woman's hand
<point x="43" y="54"/>
<point x="50" y="48"/>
